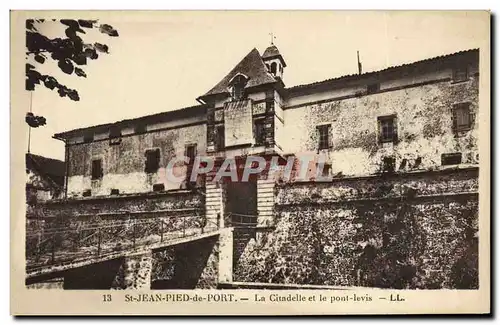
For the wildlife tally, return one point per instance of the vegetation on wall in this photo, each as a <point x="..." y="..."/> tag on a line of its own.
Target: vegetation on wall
<point x="393" y="245"/>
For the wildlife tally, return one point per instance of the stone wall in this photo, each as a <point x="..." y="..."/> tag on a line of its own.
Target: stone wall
<point x="382" y="235"/>
<point x="123" y="164"/>
<point x="424" y="123"/>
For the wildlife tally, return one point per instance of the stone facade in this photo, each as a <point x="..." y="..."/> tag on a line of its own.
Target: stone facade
<point x="400" y="146"/>
<point x="404" y="231"/>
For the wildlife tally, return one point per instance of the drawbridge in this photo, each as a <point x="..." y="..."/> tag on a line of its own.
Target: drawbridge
<point x="55" y="249"/>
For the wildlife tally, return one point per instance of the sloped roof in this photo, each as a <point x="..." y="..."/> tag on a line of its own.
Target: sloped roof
<point x="53" y="169"/>
<point x="251" y="66"/>
<point x="270" y="52"/>
<point x="154" y="118"/>
<point x="415" y="65"/>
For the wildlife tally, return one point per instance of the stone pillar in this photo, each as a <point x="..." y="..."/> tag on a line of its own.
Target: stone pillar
<point x="213" y="205"/>
<point x="265" y="202"/>
<point x="226" y="255"/>
<point x="135" y="272"/>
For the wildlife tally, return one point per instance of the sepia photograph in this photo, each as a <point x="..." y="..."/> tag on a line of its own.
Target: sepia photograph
<point x="248" y="151"/>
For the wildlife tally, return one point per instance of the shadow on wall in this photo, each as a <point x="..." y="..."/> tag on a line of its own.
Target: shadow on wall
<point x="191" y="265"/>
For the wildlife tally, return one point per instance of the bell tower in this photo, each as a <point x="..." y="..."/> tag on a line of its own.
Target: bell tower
<point x="274" y="60"/>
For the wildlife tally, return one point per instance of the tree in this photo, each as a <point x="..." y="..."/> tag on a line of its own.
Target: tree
<point x="70" y="52"/>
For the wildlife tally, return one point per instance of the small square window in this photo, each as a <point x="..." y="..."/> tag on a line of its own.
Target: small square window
<point x="152" y="161"/>
<point x="388" y="131"/>
<point x="87" y="138"/>
<point x="460" y="73"/>
<point x="158" y="187"/>
<point x="462" y="117"/>
<point x="451" y="159"/>
<point x="323" y="136"/>
<point x="373" y="88"/>
<point x="259" y="131"/>
<point x="140" y="128"/>
<point x="97" y="169"/>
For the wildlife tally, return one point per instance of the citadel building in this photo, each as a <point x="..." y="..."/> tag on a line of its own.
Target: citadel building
<point x="400" y="145"/>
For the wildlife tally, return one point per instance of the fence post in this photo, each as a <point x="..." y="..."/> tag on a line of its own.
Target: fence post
<point x="133" y="236"/>
<point x="98" y="242"/>
<point x="53" y="248"/>
<point x="184" y="227"/>
<point x="161" y="230"/>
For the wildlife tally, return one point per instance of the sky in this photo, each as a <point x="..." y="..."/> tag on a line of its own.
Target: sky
<point x="163" y="61"/>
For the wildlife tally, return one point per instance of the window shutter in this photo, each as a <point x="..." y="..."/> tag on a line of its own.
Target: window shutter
<point x="395" y="130"/>
<point x="330" y="142"/>
<point x="472" y="118"/>
<point x="454" y="119"/>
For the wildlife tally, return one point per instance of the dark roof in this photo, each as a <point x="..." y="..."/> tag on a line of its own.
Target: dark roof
<point x="53" y="169"/>
<point x="272" y="52"/>
<point x="154" y="118"/>
<point x="251" y="66"/>
<point x="415" y="65"/>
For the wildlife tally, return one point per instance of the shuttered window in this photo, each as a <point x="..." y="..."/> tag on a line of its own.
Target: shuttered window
<point x="388" y="129"/>
<point x="462" y="117"/>
<point x="97" y="169"/>
<point x="323" y="136"/>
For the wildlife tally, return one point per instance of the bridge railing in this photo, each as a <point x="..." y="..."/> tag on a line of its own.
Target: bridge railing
<point x="77" y="241"/>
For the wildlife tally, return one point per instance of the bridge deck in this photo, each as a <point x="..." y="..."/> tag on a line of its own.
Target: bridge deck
<point x="77" y="260"/>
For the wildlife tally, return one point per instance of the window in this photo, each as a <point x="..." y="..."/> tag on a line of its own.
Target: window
<point x="238" y="87"/>
<point x="461" y="117"/>
<point x="387" y="129"/>
<point x="326" y="169"/>
<point x="115" y="136"/>
<point x="270" y="100"/>
<point x="273" y="68"/>
<point x="191" y="153"/>
<point x="259" y="132"/>
<point x="460" y="73"/>
<point x="451" y="158"/>
<point x="96" y="169"/>
<point x="388" y="164"/>
<point x="158" y="187"/>
<point x="220" y="137"/>
<point x="140" y="128"/>
<point x="115" y="191"/>
<point x="323" y="136"/>
<point x="373" y="88"/>
<point x="152" y="161"/>
<point x="87" y="138"/>
<point x="87" y="193"/>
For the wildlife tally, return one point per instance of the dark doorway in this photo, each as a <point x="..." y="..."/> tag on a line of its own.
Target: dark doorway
<point x="241" y="203"/>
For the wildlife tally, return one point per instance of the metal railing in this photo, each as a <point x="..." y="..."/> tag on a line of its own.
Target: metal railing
<point x="242" y="220"/>
<point x="85" y="239"/>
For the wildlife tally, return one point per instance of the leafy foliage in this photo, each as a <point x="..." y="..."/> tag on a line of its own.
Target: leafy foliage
<point x="70" y="52"/>
<point x="35" y="121"/>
